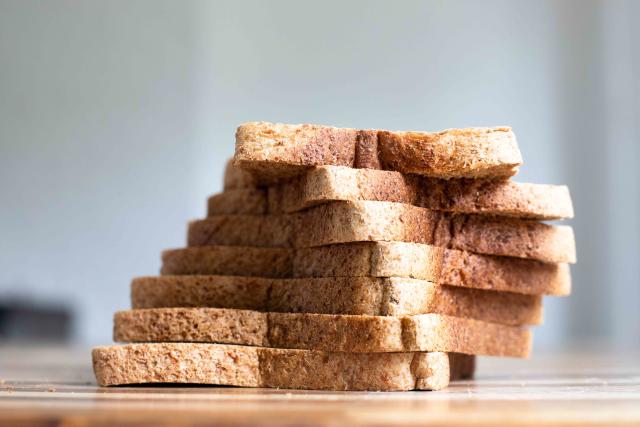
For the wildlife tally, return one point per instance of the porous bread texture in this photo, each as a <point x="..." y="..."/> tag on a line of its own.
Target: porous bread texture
<point x="275" y="151"/>
<point x="325" y="332"/>
<point x="232" y="365"/>
<point x="341" y="295"/>
<point x="343" y="222"/>
<point x="468" y="153"/>
<point x="337" y="183"/>
<point x="374" y="259"/>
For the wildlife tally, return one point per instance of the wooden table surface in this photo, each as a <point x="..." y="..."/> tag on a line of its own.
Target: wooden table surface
<point x="55" y="386"/>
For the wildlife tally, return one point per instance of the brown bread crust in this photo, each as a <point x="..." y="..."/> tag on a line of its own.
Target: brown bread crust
<point x="342" y="295"/>
<point x="344" y="222"/>
<point x="374" y="259"/>
<point x="243" y="366"/>
<point x="325" y="332"/>
<point x="275" y="151"/>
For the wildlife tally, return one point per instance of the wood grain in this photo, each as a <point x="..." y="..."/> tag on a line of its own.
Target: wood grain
<point x="55" y="386"/>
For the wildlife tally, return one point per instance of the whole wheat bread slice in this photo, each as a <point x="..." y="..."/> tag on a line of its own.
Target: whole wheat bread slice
<point x="273" y="151"/>
<point x="337" y="183"/>
<point x="341" y="295"/>
<point x="326" y="332"/>
<point x="232" y="365"/>
<point x="236" y="178"/>
<point x="239" y="201"/>
<point x="374" y="259"/>
<point x="343" y="222"/>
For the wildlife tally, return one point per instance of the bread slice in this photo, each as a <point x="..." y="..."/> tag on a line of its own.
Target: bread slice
<point x="233" y="365"/>
<point x="340" y="295"/>
<point x="273" y="151"/>
<point x="239" y="201"/>
<point x="343" y="222"/>
<point x="326" y="332"/>
<point x="337" y="183"/>
<point x="236" y="178"/>
<point x="374" y="259"/>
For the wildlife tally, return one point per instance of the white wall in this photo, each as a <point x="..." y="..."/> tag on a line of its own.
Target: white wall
<point x="116" y="118"/>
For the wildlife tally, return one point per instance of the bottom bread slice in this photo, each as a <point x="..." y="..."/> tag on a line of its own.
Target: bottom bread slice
<point x="325" y="332"/>
<point x="233" y="365"/>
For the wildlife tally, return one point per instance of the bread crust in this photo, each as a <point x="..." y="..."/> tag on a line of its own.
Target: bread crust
<point x="232" y="365"/>
<point x="325" y="332"/>
<point x="274" y="151"/>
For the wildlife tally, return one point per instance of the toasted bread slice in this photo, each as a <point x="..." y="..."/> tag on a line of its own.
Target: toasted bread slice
<point x="337" y="183"/>
<point x="274" y="151"/>
<point x="233" y="365"/>
<point x="344" y="222"/>
<point x="336" y="295"/>
<point x="374" y="259"/>
<point x="326" y="332"/>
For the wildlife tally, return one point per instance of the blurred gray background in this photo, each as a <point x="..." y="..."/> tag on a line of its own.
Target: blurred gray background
<point x="116" y="119"/>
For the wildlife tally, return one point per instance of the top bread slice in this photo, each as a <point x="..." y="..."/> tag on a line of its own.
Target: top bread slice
<point x="244" y="366"/>
<point x="337" y="183"/>
<point x="274" y="151"/>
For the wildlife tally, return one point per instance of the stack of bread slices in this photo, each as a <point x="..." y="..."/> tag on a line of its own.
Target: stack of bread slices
<point x="344" y="259"/>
